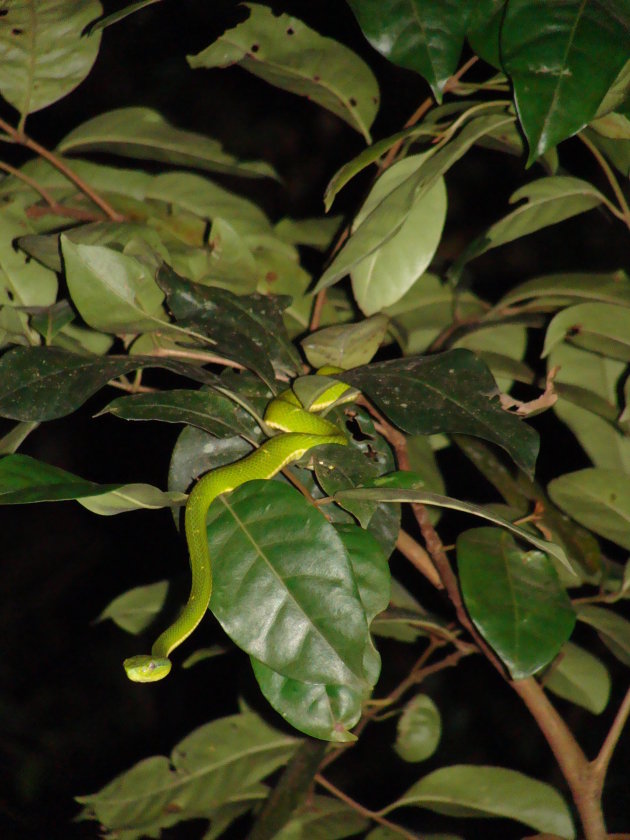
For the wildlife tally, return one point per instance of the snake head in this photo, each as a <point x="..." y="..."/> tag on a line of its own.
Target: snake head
<point x="144" y="668"/>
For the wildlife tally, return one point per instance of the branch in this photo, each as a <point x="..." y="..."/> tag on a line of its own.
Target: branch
<point x="600" y="764"/>
<point x="365" y="812"/>
<point x="290" y="791"/>
<point x="24" y="140"/>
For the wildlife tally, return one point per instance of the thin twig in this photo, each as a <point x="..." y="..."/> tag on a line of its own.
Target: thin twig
<point x="365" y="812"/>
<point x="623" y="212"/>
<point x="196" y="355"/>
<point x="418" y="557"/>
<point x="61" y="166"/>
<point x="599" y="765"/>
<point x="31" y="182"/>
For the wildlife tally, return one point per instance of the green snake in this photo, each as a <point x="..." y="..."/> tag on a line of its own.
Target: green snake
<point x="301" y="430"/>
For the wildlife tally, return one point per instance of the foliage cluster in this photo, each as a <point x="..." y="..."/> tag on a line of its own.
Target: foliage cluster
<point x="148" y="261"/>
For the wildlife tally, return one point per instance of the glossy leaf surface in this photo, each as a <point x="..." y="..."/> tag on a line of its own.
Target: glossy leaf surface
<point x="514" y="598"/>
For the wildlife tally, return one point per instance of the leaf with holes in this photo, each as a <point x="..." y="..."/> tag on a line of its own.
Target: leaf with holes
<point x="285" y="52"/>
<point x="450" y="392"/>
<point x="43" y="54"/>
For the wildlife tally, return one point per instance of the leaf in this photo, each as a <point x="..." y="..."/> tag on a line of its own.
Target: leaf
<point x="392" y="494"/>
<point x="282" y="578"/>
<point x="389" y="216"/>
<point x="602" y="327"/>
<point x="562" y="60"/>
<point x="135" y="610"/>
<point x="23" y="282"/>
<point x="43" y="56"/>
<point x="419" y="729"/>
<point x="315" y="232"/>
<point x="142" y="133"/>
<point x="347" y="345"/>
<point x="288" y="54"/>
<point x="389" y="272"/>
<point x="339" y="470"/>
<point x="450" y="392"/>
<point x="121" y="14"/>
<point x="43" y="383"/>
<point x="426" y="36"/>
<point x="247" y="329"/>
<point x="216" y="764"/>
<point x="132" y="497"/>
<point x="13" y="439"/>
<point x="612" y="629"/>
<point x="587" y="385"/>
<point x="24" y="480"/>
<point x="598" y="499"/>
<point x="328" y="711"/>
<point x="484" y="29"/>
<point x="207" y="410"/>
<point x="514" y="598"/>
<point x="323" y="818"/>
<point x="467" y="790"/>
<point x="554" y="290"/>
<point x="547" y="201"/>
<point x="320" y="710"/>
<point x="581" y="678"/>
<point x="113" y="292"/>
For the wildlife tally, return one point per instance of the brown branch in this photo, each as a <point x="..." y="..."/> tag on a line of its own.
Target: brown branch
<point x="365" y="812"/>
<point x="418" y="557"/>
<point x="422" y="110"/>
<point x="599" y="765"/>
<point x="24" y="140"/>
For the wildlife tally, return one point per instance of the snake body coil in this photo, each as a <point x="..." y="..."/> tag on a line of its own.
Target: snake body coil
<point x="302" y="430"/>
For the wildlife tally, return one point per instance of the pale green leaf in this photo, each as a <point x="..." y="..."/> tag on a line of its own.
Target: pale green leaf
<point x="467" y="790"/>
<point x="612" y="628"/>
<point x="136" y="609"/>
<point x="419" y="729"/>
<point x="389" y="215"/>
<point x="581" y="678"/>
<point x="113" y="292"/>
<point x="348" y="345"/>
<point x="142" y="133"/>
<point x="598" y="499"/>
<point x="215" y="765"/>
<point x="43" y="54"/>
<point x="323" y="818"/>
<point x="389" y="272"/>
<point x="602" y="327"/>
<point x="285" y="52"/>
<point x="132" y="497"/>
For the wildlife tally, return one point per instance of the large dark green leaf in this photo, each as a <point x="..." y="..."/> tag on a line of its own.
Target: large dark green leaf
<point x="562" y="57"/>
<point x="282" y="580"/>
<point x="422" y="35"/>
<point x="466" y="790"/>
<point x="514" y="598"/>
<point x="207" y="410"/>
<point x="450" y="392"/>
<point x="43" y="383"/>
<point x="285" y="52"/>
<point x="247" y="329"/>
